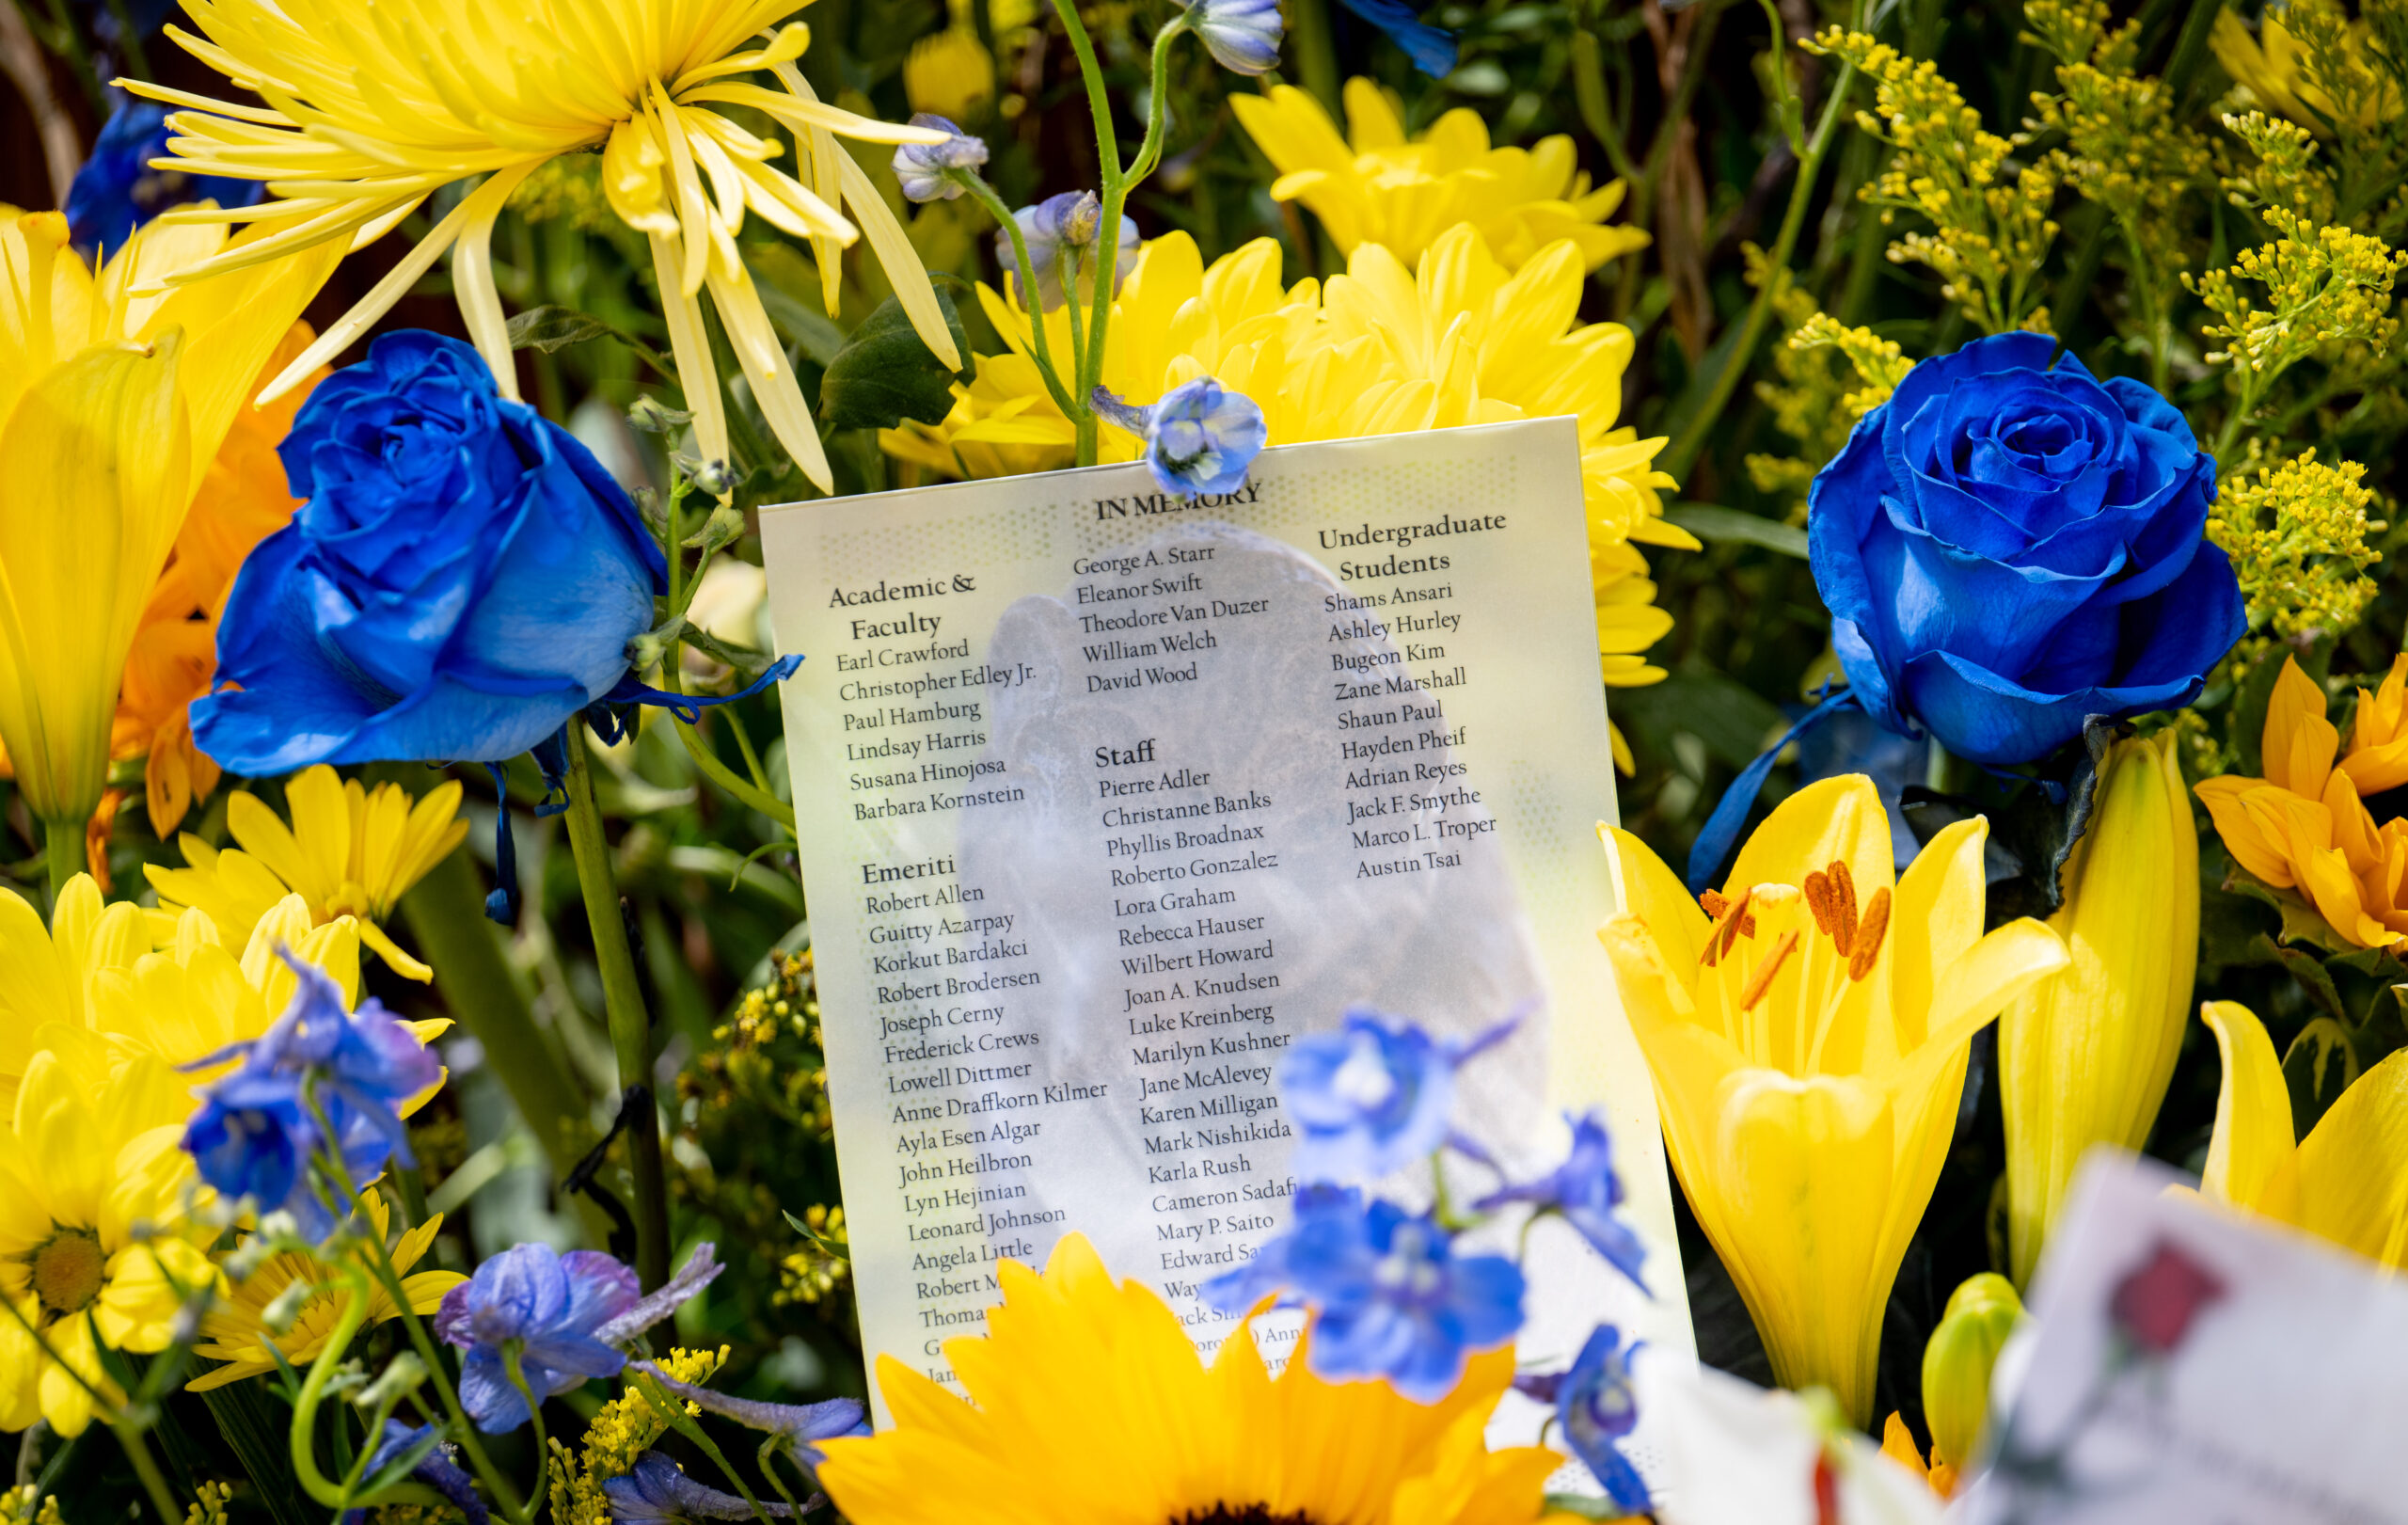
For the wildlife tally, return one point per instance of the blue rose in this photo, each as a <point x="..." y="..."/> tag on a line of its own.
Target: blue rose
<point x="462" y="579"/>
<point x="2009" y="544"/>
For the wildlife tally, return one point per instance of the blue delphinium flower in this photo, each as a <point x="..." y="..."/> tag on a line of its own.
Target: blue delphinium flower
<point x="117" y="191"/>
<point x="1595" y="1406"/>
<point x="1067" y="221"/>
<point x="1586" y="1191"/>
<point x="1432" y="51"/>
<point x="1373" y="1096"/>
<point x="1390" y="1296"/>
<point x="921" y="166"/>
<point x="800" y="1425"/>
<point x="563" y="1315"/>
<point x="1200" y="438"/>
<point x="320" y="1074"/>
<point x="1242" y="36"/>
<point x="436" y="1470"/>
<point x="656" y="1488"/>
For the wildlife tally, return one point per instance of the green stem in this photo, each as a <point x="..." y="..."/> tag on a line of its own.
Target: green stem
<point x="63" y="851"/>
<point x="1316" y="54"/>
<point x="509" y="1363"/>
<point x="1041" y="347"/>
<point x="305" y="1410"/>
<point x="673" y="1413"/>
<point x="1150" y="152"/>
<point x="446" y="914"/>
<point x="728" y="779"/>
<point x="1683" y="450"/>
<point x="622" y="999"/>
<point x="1107" y="233"/>
<point x="154" y="1483"/>
<point x="1588" y="94"/>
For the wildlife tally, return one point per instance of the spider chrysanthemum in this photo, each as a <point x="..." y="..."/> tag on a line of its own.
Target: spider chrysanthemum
<point x="370" y="109"/>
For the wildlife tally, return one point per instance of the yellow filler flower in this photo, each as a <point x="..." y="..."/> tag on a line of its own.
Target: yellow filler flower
<point x="2346" y="1181"/>
<point x="94" y="1241"/>
<point x="1089" y="1406"/>
<point x="370" y="109"/>
<point x="2304" y="827"/>
<point x="1808" y="1033"/>
<point x="1383" y="187"/>
<point x="113" y="401"/>
<point x="349" y="852"/>
<point x="2084" y="1058"/>
<point x="235" y="1330"/>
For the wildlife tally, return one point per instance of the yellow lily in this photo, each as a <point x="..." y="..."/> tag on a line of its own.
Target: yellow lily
<point x="2084" y="1058"/>
<point x="1808" y="1033"/>
<point x="2346" y="1181"/>
<point x="113" y="402"/>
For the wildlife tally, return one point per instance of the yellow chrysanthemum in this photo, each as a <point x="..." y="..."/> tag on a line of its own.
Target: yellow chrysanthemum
<point x="175" y="993"/>
<point x="348" y="853"/>
<point x="94" y="1238"/>
<point x="235" y="1331"/>
<point x="370" y="109"/>
<point x="113" y="402"/>
<point x="1381" y="187"/>
<point x="1378" y="350"/>
<point x="1090" y="1406"/>
<point x="242" y="498"/>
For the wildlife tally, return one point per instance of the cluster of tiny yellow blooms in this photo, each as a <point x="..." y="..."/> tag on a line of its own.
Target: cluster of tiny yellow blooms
<point x="814" y="1271"/>
<point x="2123" y="146"/>
<point x="28" y="1506"/>
<point x="209" y="1504"/>
<point x="2324" y="285"/>
<point x="1829" y="375"/>
<point x="742" y="1066"/>
<point x="621" y="1430"/>
<point x="1990" y="234"/>
<point x="2297" y="535"/>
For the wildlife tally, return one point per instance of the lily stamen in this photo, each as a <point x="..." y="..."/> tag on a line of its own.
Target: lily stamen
<point x="1760" y="980"/>
<point x="1868" y="948"/>
<point x="1735" y="923"/>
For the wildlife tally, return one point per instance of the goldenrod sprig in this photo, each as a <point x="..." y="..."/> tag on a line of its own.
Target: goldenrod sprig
<point x="2297" y="535"/>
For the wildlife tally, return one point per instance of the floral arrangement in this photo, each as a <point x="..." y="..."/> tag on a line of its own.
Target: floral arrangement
<point x="1989" y="429"/>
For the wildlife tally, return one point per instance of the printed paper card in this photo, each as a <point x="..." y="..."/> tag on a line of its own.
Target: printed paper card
<point x="2191" y="1367"/>
<point x="1106" y="797"/>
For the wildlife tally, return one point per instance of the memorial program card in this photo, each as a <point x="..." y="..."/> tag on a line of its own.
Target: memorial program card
<point x="1105" y="796"/>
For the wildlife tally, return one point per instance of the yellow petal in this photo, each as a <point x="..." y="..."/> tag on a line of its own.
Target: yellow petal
<point x="2300" y="742"/>
<point x="1653" y="893"/>
<point x="2253" y="1136"/>
<point x="1833" y="820"/>
<point x="2351" y="1170"/>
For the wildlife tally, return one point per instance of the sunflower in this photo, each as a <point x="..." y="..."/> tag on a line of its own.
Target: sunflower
<point x="1089" y="1405"/>
<point x="235" y="1331"/>
<point x="371" y="109"/>
<point x="96" y="1248"/>
<point x="1403" y="193"/>
<point x="350" y="852"/>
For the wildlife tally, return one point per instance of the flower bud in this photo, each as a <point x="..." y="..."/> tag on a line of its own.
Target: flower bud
<point x="925" y="169"/>
<point x="1956" y="1364"/>
<point x="2084" y="1058"/>
<point x="397" y="1381"/>
<point x="1242" y="36"/>
<point x="279" y="1316"/>
<point x="655" y="417"/>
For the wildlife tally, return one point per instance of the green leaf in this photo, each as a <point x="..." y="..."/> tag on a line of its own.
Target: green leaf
<point x="257" y="1436"/>
<point x="814" y="333"/>
<point x="2301" y="923"/>
<point x="884" y="375"/>
<point x="1729" y="526"/>
<point x="2316" y="1068"/>
<point x="554" y="328"/>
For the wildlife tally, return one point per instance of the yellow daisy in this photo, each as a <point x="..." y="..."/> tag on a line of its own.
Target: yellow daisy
<point x="94" y="1240"/>
<point x="174" y="994"/>
<point x="1090" y="1406"/>
<point x="349" y="852"/>
<point x="370" y="109"/>
<point x="1383" y="187"/>
<point x="234" y="1331"/>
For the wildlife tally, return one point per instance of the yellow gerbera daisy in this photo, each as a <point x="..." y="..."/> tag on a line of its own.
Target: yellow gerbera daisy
<point x="1383" y="187"/>
<point x="348" y="853"/>
<point x="1090" y="1406"/>
<point x="175" y="993"/>
<point x="370" y="109"/>
<point x="235" y="1331"/>
<point x="94" y="1240"/>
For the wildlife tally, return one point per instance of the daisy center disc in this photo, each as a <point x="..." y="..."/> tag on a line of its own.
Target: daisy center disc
<point x="1253" y="1513"/>
<point x="69" y="1270"/>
